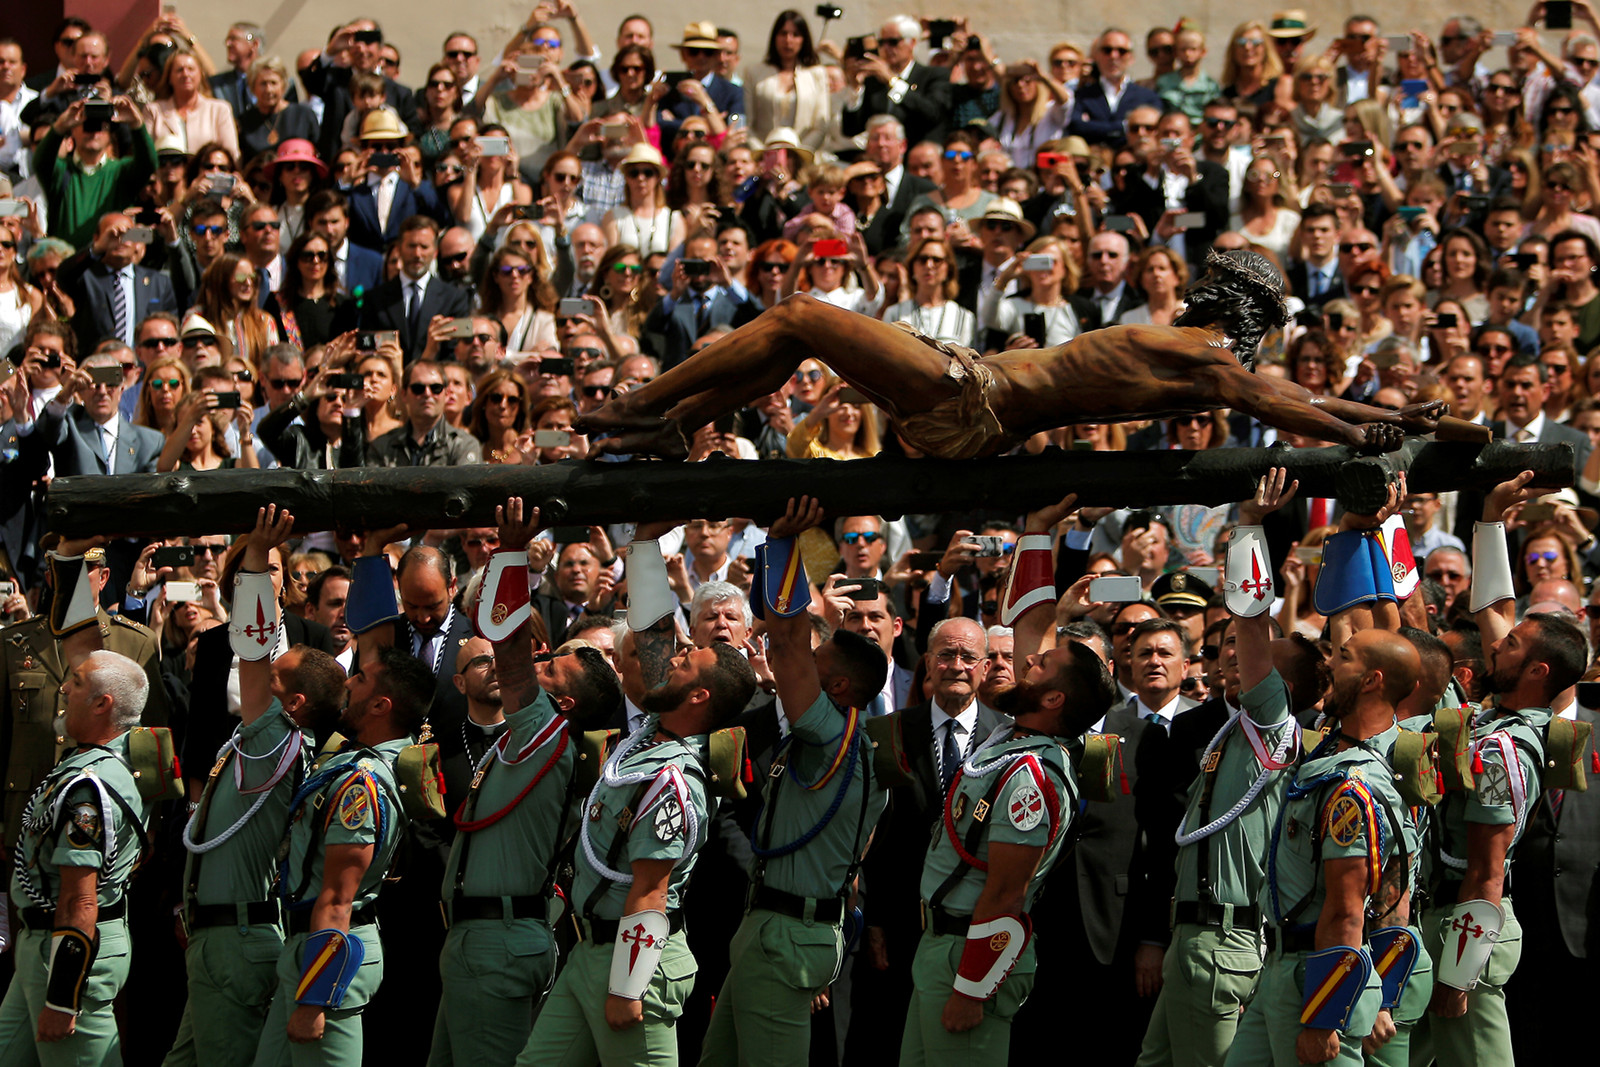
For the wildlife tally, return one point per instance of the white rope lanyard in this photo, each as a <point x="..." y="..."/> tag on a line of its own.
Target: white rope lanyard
<point x="290" y="748"/>
<point x="611" y="777"/>
<point x="1286" y="744"/>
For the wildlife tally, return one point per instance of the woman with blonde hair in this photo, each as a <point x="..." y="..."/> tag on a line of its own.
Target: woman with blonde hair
<point x="835" y="428"/>
<point x="380" y="390"/>
<point x="1047" y="290"/>
<point x="1315" y="115"/>
<point x="500" y="416"/>
<point x="643" y="219"/>
<point x="930" y="308"/>
<point x="488" y="184"/>
<point x="227" y="300"/>
<point x="273" y="119"/>
<point x="166" y="382"/>
<point x="1161" y="275"/>
<point x="1251" y="68"/>
<point x="1033" y="110"/>
<point x="185" y="108"/>
<point x="1264" y="219"/>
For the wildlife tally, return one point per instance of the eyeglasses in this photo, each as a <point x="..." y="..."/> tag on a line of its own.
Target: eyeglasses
<point x="566" y="179"/>
<point x="201" y="229"/>
<point x="773" y="267"/>
<point x="166" y="383"/>
<point x="422" y="388"/>
<point x="639" y="173"/>
<point x="1251" y="42"/>
<point x="201" y="340"/>
<point x="1365" y="290"/>
<point x="458" y="257"/>
<point x="1261" y="177"/>
<point x="1111" y="50"/>
<point x="1558" y="368"/>
<point x="1312" y="76"/>
<point x="951" y="657"/>
<point x="891" y="42"/>
<point x="1140" y="127"/>
<point x="262" y="224"/>
<point x="807" y="376"/>
<point x="459" y="53"/>
<point x="440" y="84"/>
<point x="1494" y="88"/>
<point x="869" y="536"/>
<point x="1105" y="255"/>
<point x="243" y="376"/>
<point x="630" y="69"/>
<point x="159" y="342"/>
<point x="1557" y="187"/>
<point x="696" y="164"/>
<point x="1192" y="420"/>
<point x="284" y="384"/>
<point x="1585" y="62"/>
<point x="508" y="269"/>
<point x="830" y="262"/>
<point x="209" y="550"/>
<point x="1416" y="146"/>
<point x="311" y="256"/>
<point x="918" y="261"/>
<point x="244" y="279"/>
<point x="1220" y="124"/>
<point x="1560" y="111"/>
<point x="503" y="398"/>
<point x="598" y="392"/>
<point x="1542" y="557"/>
<point x="1347" y="247"/>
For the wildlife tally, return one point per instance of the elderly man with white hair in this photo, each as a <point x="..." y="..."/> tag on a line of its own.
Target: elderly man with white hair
<point x="891" y="82"/>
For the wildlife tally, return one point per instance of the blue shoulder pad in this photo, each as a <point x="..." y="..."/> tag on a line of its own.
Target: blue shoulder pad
<point x="1335" y="978"/>
<point x="785" y="589"/>
<point x="371" y="600"/>
<point x="1354" y="571"/>
<point x="328" y="964"/>
<point x="1394" y="956"/>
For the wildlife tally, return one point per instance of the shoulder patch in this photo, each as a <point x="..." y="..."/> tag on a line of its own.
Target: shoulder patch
<point x="84" y="828"/>
<point x="665" y="801"/>
<point x="1025" y="808"/>
<point x="357" y="801"/>
<point x="1344" y="821"/>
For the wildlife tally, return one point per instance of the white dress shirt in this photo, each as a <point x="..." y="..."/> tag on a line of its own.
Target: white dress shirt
<point x="964" y="723"/>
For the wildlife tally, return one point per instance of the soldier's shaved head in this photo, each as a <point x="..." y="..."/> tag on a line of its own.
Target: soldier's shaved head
<point x="1391" y="655"/>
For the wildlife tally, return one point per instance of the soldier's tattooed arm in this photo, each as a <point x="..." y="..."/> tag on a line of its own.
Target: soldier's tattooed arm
<point x="656" y="647"/>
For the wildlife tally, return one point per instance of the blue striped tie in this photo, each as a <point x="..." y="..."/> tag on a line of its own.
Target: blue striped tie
<point x="119" y="308"/>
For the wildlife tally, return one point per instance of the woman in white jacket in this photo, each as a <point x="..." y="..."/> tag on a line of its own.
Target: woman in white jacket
<point x="797" y="95"/>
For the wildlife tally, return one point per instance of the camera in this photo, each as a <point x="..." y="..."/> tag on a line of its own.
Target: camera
<point x="829" y="13"/>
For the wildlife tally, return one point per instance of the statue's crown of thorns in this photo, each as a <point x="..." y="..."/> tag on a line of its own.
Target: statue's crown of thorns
<point x="1252" y="265"/>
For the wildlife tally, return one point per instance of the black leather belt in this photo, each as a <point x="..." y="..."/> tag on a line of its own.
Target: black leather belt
<point x="604" y="931"/>
<point x="299" y="922"/>
<point x="1291" y="940"/>
<point x="464" y="908"/>
<point x="257" y="913"/>
<point x="823" y="910"/>
<point x="37" y="918"/>
<point x="1210" y="913"/>
<point x="943" y="922"/>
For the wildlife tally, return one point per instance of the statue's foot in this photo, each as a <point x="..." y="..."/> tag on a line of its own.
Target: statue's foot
<point x="661" y="438"/>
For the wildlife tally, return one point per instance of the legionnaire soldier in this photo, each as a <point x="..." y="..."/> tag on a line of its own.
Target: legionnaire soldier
<point x="344" y="825"/>
<point x="822" y="802"/>
<point x="619" y="994"/>
<point x="1471" y="931"/>
<point x="33" y="670"/>
<point x="1339" y="835"/>
<point x="499" y="955"/>
<point x="1005" y="819"/>
<point x="1211" y="966"/>
<point x="82" y="833"/>
<point x="231" y="913"/>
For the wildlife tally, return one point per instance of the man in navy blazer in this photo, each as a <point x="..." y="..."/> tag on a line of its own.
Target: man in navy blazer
<point x="355" y="47"/>
<point x="1102" y="105"/>
<point x="92" y="276"/>
<point x="328" y="213"/>
<point x="697" y="304"/>
<point x="700" y="51"/>
<point x="390" y="306"/>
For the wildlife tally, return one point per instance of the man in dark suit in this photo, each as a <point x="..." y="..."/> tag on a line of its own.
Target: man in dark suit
<point x="408" y="302"/>
<point x="1107" y="296"/>
<point x="355" y="47"/>
<point x="360" y="269"/>
<point x="67" y="33"/>
<point x="1316" y="279"/>
<point x="1557" y="860"/>
<point x="1175" y="180"/>
<point x="1523" y="389"/>
<point x="890" y="82"/>
<point x="937" y="736"/>
<point x="381" y="204"/>
<point x="1102" y="105"/>
<point x="244" y="42"/>
<point x="112" y="294"/>
<point x="699" y="302"/>
<point x="701" y="84"/>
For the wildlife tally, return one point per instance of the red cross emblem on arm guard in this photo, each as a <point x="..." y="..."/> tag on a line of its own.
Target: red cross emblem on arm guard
<point x="1257" y="585"/>
<point x="258" y="632"/>
<point x="1469" y="931"/>
<point x="638" y="937"/>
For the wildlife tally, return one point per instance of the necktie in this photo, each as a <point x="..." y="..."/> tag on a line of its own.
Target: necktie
<point x="108" y="448"/>
<point x="1555" y="798"/>
<point x="119" y="307"/>
<point x="1319" y="283"/>
<point x="702" y="314"/>
<point x="414" y="314"/>
<point x="1524" y="435"/>
<point x="949" y="756"/>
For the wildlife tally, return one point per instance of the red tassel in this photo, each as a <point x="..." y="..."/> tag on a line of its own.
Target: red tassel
<point x="748" y="773"/>
<point x="1438" y="780"/>
<point x="1594" y="761"/>
<point x="1477" y="762"/>
<point x="1122" y="770"/>
<point x="1125" y="789"/>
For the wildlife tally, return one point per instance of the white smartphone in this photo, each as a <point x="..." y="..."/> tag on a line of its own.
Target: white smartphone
<point x="179" y="592"/>
<point x="551" y="439"/>
<point x="1503" y="39"/>
<point x="572" y="306"/>
<point x="494" y="146"/>
<point x="1399" y="42"/>
<point x="13" y="209"/>
<point x="1115" y="589"/>
<point x="530" y="62"/>
<point x="1039" y="262"/>
<point x="1210" y="575"/>
<point x="1309" y="553"/>
<point x="1189" y="220"/>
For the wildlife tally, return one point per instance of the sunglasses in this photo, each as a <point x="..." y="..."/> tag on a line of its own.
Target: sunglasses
<point x="1251" y="42"/>
<point x="459" y="257"/>
<point x="1220" y="124"/>
<point x="508" y="269"/>
<point x="918" y="261"/>
<point x="630" y="70"/>
<point x="201" y="229"/>
<point x="598" y="392"/>
<point x="1365" y="290"/>
<point x="772" y="267"/>
<point x="243" y="376"/>
<point x="166" y="383"/>
<point x="313" y="257"/>
<point x="201" y="340"/>
<point x="628" y="268"/>
<point x="891" y="42"/>
<point x="436" y="84"/>
<point x="1122" y="629"/>
<point x="869" y="536"/>
<point x="504" y="398"/>
<point x="263" y="224"/>
<point x="1356" y="246"/>
<point x="1140" y="127"/>
<point x="567" y="179"/>
<point x="459" y="53"/>
<point x="284" y="383"/>
<point x="423" y="388"/>
<point x="1108" y="50"/>
<point x="639" y="173"/>
<point x="245" y="279"/>
<point x="547" y="42"/>
<point x="1547" y="557"/>
<point x="159" y="342"/>
<point x="1192" y="420"/>
<point x="1560" y="111"/>
<point x="808" y="376"/>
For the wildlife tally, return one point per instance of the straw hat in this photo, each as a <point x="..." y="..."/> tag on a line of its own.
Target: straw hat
<point x="700" y="35"/>
<point x="784" y="137"/>
<point x="643" y="155"/>
<point x="381" y="124"/>
<point x="1002" y="209"/>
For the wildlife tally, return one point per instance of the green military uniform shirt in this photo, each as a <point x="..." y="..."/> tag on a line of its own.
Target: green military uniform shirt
<point x="800" y="795"/>
<point x="32" y="671"/>
<point x="242" y="868"/>
<point x="654" y="809"/>
<point x="512" y="856"/>
<point x="1505" y="790"/>
<point x="69" y="823"/>
<point x="1238" y="851"/>
<point x="1020" y="814"/>
<point x="357" y="802"/>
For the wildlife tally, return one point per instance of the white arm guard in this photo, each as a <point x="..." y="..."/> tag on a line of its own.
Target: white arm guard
<point x="1031" y="579"/>
<point x="650" y="597"/>
<point x="640" y="939"/>
<point x="1470" y="932"/>
<point x="74" y="604"/>
<point x="1247" y="573"/>
<point x="253" y="625"/>
<point x="503" y="603"/>
<point x="991" y="951"/>
<point x="1491" y="566"/>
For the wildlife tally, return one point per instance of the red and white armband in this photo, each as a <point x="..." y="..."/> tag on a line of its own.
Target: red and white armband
<point x="503" y="601"/>
<point x="253" y="625"/>
<point x="641" y="937"/>
<point x="1031" y="579"/>
<point x="993" y="947"/>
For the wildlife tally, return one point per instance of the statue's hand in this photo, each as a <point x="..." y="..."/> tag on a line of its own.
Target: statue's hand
<point x="1379" y="437"/>
<point x="1423" y="418"/>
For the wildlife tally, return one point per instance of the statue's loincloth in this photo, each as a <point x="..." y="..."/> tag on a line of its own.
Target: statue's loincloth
<point x="963" y="426"/>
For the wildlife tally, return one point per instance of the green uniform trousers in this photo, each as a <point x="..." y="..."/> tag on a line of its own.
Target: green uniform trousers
<point x="572" y="1026"/>
<point x="933" y="974"/>
<point x="233" y="972"/>
<point x="1271" y="1024"/>
<point x="1206" y="979"/>
<point x="776" y="965"/>
<point x="341" y="1036"/>
<point x="1483" y="1034"/>
<point x="95" y="1040"/>
<point x="1412" y="1007"/>
<point x="494" y="971"/>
